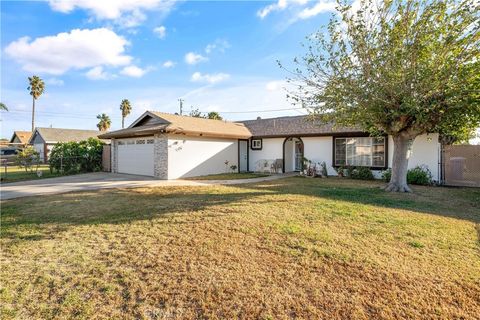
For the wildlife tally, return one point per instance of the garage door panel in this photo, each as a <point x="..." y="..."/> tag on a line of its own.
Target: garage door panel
<point x="135" y="158"/>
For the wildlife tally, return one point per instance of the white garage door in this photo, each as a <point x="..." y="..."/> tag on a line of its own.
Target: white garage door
<point x="135" y="156"/>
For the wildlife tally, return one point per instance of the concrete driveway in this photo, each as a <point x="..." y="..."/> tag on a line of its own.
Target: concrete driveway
<point x="102" y="180"/>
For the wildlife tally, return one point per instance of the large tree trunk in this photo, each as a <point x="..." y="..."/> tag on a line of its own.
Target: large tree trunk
<point x="33" y="114"/>
<point x="398" y="181"/>
<point x="123" y="121"/>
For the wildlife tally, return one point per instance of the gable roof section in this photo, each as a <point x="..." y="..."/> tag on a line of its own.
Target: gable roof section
<point x="54" y="135"/>
<point x="294" y="126"/>
<point x="152" y="122"/>
<point x="23" y="136"/>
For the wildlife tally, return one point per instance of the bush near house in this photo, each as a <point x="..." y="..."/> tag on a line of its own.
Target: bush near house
<point x="419" y="175"/>
<point x="28" y="159"/>
<point x="74" y="157"/>
<point x="360" y="173"/>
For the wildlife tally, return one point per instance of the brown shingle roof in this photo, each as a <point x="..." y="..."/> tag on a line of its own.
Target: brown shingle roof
<point x="23" y="136"/>
<point x="190" y="126"/>
<point x="274" y="127"/>
<point x="206" y="127"/>
<point x="293" y="126"/>
<point x="54" y="135"/>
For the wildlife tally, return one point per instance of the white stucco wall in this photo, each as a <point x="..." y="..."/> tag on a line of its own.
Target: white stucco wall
<point x="272" y="149"/>
<point x="189" y="156"/>
<point x="319" y="149"/>
<point x="425" y="151"/>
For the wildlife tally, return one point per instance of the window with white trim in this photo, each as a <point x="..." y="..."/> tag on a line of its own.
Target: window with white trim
<point x="360" y="151"/>
<point x="256" y="144"/>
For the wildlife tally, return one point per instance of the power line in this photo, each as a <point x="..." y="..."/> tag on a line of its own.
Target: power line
<point x="83" y="116"/>
<point x="261" y="111"/>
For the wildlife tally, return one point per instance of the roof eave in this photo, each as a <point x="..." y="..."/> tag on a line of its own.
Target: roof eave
<point x="193" y="133"/>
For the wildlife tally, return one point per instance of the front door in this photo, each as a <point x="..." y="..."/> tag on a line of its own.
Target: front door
<point x="243" y="155"/>
<point x="298" y="155"/>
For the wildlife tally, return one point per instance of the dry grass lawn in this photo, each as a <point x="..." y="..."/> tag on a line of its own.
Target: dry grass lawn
<point x="294" y="248"/>
<point x="230" y="176"/>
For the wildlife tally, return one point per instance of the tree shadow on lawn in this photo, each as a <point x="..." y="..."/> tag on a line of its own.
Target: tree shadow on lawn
<point x="457" y="203"/>
<point x="113" y="206"/>
<point x="23" y="218"/>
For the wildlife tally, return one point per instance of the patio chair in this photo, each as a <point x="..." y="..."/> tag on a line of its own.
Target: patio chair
<point x="277" y="166"/>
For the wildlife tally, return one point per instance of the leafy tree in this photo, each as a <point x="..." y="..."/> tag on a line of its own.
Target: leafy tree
<point x="214" y="115"/>
<point x="73" y="157"/>
<point x="3" y="106"/>
<point x="126" y="108"/>
<point x="104" y="123"/>
<point x="36" y="88"/>
<point x="400" y="67"/>
<point x="28" y="158"/>
<point x="196" y="113"/>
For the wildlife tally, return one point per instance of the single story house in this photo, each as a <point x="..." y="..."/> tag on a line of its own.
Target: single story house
<point x="20" y="138"/>
<point x="43" y="139"/>
<point x="170" y="146"/>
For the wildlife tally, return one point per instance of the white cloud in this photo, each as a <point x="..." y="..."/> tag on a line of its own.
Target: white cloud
<point x="161" y="32"/>
<point x="218" y="45"/>
<point x="210" y="78"/>
<point x="97" y="73"/>
<point x="265" y="11"/>
<point x="134" y="71"/>
<point x="77" y="49"/>
<point x="168" y="64"/>
<point x="54" y="82"/>
<point x="194" y="58"/>
<point x="128" y="13"/>
<point x="276" y="85"/>
<point x="298" y="8"/>
<point x="320" y="7"/>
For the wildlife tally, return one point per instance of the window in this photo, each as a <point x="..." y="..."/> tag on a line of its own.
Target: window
<point x="121" y="143"/>
<point x="131" y="142"/>
<point x="140" y="141"/>
<point x="256" y="144"/>
<point x="150" y="141"/>
<point x="360" y="151"/>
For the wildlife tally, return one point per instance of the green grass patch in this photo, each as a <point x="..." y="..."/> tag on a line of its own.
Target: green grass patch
<point x="15" y="173"/>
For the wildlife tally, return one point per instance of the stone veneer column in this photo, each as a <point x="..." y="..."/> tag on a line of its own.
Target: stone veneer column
<point x="114" y="151"/>
<point x="160" y="156"/>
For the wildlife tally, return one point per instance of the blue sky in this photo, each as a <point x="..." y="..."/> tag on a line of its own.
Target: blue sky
<point x="217" y="56"/>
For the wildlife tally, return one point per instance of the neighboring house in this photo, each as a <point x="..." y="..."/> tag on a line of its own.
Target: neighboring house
<point x="20" y="138"/>
<point x="43" y="139"/>
<point x="169" y="146"/>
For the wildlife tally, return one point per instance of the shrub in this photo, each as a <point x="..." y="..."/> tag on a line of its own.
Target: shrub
<point x="420" y="175"/>
<point x="361" y="173"/>
<point x="387" y="175"/>
<point x="341" y="171"/>
<point x="28" y="158"/>
<point x="74" y="157"/>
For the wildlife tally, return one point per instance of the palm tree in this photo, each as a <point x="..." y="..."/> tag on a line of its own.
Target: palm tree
<point x="126" y="109"/>
<point x="104" y="123"/>
<point x="3" y="106"/>
<point x="36" y="88"/>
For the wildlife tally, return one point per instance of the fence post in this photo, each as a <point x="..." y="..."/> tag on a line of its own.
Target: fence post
<point x="61" y="163"/>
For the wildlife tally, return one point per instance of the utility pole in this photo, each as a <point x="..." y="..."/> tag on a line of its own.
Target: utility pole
<point x="181" y="105"/>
